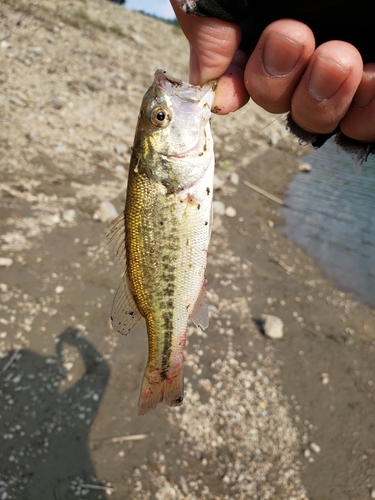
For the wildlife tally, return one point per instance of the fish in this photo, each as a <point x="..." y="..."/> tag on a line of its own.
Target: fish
<point x="162" y="236"/>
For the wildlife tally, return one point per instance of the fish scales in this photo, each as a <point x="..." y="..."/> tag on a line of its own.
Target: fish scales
<point x="167" y="225"/>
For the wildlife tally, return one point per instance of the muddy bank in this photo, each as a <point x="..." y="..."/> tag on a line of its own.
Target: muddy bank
<point x="254" y="408"/>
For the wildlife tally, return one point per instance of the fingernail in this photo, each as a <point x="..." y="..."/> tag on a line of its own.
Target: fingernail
<point x="326" y="78"/>
<point x="365" y="92"/>
<point x="194" y="67"/>
<point x="280" y="54"/>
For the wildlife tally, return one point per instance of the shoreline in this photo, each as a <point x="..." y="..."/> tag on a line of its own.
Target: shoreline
<point x="327" y="335"/>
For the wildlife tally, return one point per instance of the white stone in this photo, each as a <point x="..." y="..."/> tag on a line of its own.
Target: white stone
<point x="69" y="215"/>
<point x="5" y="45"/>
<point x="218" y="207"/>
<point x="106" y="212"/>
<point x="59" y="289"/>
<point x="315" y="447"/>
<point x="218" y="182"/>
<point x="6" y="261"/>
<point x="304" y="167"/>
<point x="273" y="326"/>
<point x="234" y="178"/>
<point x="230" y="212"/>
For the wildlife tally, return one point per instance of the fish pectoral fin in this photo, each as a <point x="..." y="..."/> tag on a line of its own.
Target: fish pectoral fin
<point x="116" y="236"/>
<point x="125" y="313"/>
<point x="199" y="315"/>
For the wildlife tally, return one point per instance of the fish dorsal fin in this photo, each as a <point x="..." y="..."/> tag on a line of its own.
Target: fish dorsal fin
<point x="125" y="313"/>
<point x="199" y="315"/>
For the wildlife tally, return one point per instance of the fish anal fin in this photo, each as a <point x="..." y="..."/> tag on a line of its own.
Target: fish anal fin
<point x="199" y="315"/>
<point x="158" y="388"/>
<point x="125" y="313"/>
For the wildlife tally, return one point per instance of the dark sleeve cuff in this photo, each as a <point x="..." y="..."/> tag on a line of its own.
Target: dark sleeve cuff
<point x="358" y="151"/>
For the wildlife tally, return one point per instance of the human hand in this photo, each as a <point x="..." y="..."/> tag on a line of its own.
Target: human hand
<point x="323" y="87"/>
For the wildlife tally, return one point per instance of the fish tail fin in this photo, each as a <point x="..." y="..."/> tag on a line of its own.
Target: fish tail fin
<point x="161" y="387"/>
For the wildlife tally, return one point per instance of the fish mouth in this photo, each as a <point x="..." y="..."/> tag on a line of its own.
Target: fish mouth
<point x="185" y="91"/>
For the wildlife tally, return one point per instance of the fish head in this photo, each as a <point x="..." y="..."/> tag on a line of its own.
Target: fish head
<point x="173" y="138"/>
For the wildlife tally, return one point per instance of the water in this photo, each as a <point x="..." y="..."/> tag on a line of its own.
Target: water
<point x="331" y="214"/>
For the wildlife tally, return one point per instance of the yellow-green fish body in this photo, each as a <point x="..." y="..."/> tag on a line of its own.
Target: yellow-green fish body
<point x="164" y="233"/>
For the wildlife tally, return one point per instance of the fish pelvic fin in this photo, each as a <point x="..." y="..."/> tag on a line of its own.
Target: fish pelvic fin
<point x="125" y="314"/>
<point x="160" y="387"/>
<point x="199" y="315"/>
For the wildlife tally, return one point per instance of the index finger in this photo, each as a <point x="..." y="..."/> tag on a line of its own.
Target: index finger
<point x="213" y="44"/>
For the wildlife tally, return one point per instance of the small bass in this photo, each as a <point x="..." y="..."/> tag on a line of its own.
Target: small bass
<point x="163" y="234"/>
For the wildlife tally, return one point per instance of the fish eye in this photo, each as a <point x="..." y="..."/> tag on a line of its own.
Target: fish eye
<point x="160" y="117"/>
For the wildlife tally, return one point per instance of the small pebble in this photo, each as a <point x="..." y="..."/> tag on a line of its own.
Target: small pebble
<point x="218" y="207"/>
<point x="230" y="212"/>
<point x="218" y="182"/>
<point x="106" y="212"/>
<point x="234" y="178"/>
<point x="69" y="215"/>
<point x="4" y="45"/>
<point x="315" y="447"/>
<point x="304" y="167"/>
<point x="6" y="261"/>
<point x="59" y="289"/>
<point x="273" y="326"/>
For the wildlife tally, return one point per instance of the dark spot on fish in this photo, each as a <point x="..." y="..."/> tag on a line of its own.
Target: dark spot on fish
<point x="206" y="223"/>
<point x="131" y="313"/>
<point x="152" y="250"/>
<point x="179" y="400"/>
<point x="198" y="206"/>
<point x="205" y="147"/>
<point x="187" y="242"/>
<point x="161" y="223"/>
<point x="187" y="307"/>
<point x="163" y="374"/>
<point x="201" y="154"/>
<point x="208" y="191"/>
<point x="190" y="266"/>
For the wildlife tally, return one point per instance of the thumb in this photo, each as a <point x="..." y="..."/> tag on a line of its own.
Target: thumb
<point x="213" y="44"/>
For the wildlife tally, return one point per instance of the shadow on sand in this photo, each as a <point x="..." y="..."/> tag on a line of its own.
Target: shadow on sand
<point x="44" y="432"/>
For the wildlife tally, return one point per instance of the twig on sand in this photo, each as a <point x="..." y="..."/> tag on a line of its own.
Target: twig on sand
<point x="264" y="193"/>
<point x="10" y="362"/>
<point x="97" y="487"/>
<point x="121" y="439"/>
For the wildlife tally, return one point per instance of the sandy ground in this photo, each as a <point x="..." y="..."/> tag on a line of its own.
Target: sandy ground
<point x="261" y="419"/>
